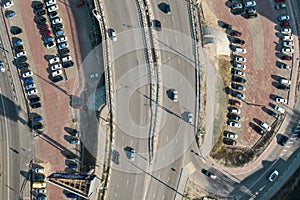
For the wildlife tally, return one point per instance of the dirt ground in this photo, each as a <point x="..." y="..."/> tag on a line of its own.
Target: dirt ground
<point x="194" y="192"/>
<point x="291" y="189"/>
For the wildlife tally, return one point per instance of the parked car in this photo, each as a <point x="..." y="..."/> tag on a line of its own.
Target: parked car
<point x="59" y="33"/>
<point x="39" y="177"/>
<point x="238" y="12"/>
<point x="273" y="176"/>
<point x="282" y="87"/>
<point x="234" y="102"/>
<point x="57" y="79"/>
<point x="63" y="45"/>
<point x="40" y="191"/>
<point x="38" y="5"/>
<point x="34" y="99"/>
<point x="40" y="12"/>
<point x="234" y="110"/>
<point x="52" y="8"/>
<point x="265" y="126"/>
<point x="50" y="2"/>
<point x="238" y="87"/>
<point x="234" y="117"/>
<point x="50" y="45"/>
<point x="281" y="110"/>
<point x="284" y="66"/>
<point x="260" y="130"/>
<point x="48" y="39"/>
<point x="286" y="57"/>
<point x="238" y="95"/>
<point x="30" y="86"/>
<point x="32" y="92"/>
<point x="287" y="38"/>
<point x="250" y="4"/>
<point x="114" y="35"/>
<point x="238" y="41"/>
<point x="62" y="39"/>
<point x="40" y="170"/>
<point x="236" y="33"/>
<point x="250" y="15"/>
<point x="279" y="1"/>
<point x="250" y="10"/>
<point x="286" y="30"/>
<point x="37" y="118"/>
<point x="284" y="18"/>
<point x="209" y="174"/>
<point x="56" y="67"/>
<point x="281" y="100"/>
<point x="28" y="80"/>
<point x="230" y="142"/>
<point x="287" y="50"/>
<point x="239" y="65"/>
<point x="38" y="126"/>
<point x="56" y="73"/>
<point x="53" y="14"/>
<point x="239" y="59"/>
<point x="68" y="64"/>
<point x="240" y="50"/>
<point x="285" y="24"/>
<point x="46" y="33"/>
<point x="40" y="19"/>
<point x="288" y="44"/>
<point x="285" y="81"/>
<point x="190" y="118"/>
<point x="10" y="14"/>
<point x="175" y="95"/>
<point x="36" y="105"/>
<point x="17" y="42"/>
<point x="74" y="141"/>
<point x="226" y="25"/>
<point x="63" y="52"/>
<point x="237" y="6"/>
<point x="22" y="53"/>
<point x="16" y="30"/>
<point x="237" y="72"/>
<point x="231" y="135"/>
<point x="57" y="27"/>
<point x="56" y="20"/>
<point x="54" y="60"/>
<point x="2" y="68"/>
<point x="238" y="79"/>
<point x="27" y="74"/>
<point x="66" y="58"/>
<point x="8" y="4"/>
<point x="39" y="185"/>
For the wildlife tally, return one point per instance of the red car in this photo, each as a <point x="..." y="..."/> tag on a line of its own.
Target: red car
<point x="236" y="33"/>
<point x="44" y="27"/>
<point x="286" y="57"/>
<point x="284" y="24"/>
<point x="235" y="103"/>
<point x="279" y="1"/>
<point x="230" y="142"/>
<point x="79" y="4"/>
<point x="46" y="33"/>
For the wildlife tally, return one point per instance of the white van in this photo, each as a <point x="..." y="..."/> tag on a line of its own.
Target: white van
<point x="285" y="81"/>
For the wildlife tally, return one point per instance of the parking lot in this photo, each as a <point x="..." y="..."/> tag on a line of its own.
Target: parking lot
<point x="261" y="68"/>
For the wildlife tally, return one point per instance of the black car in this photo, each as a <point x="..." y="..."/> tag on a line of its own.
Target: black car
<point x="237" y="86"/>
<point x="260" y="130"/>
<point x="282" y="87"/>
<point x="238" y="11"/>
<point x="63" y="51"/>
<point x="40" y="12"/>
<point x="250" y="16"/>
<point x="40" y="20"/>
<point x="283" y="140"/>
<point x="19" y="48"/>
<point x="238" y="79"/>
<point x="21" y="59"/>
<point x="57" y="26"/>
<point x="15" y="30"/>
<point x="36" y="105"/>
<point x="23" y="65"/>
<point x="68" y="64"/>
<point x="38" y="6"/>
<point x="250" y="10"/>
<point x="225" y="25"/>
<point x="57" y="79"/>
<point x="156" y="24"/>
<point x="38" y="126"/>
<point x="35" y="99"/>
<point x="238" y="41"/>
<point x="39" y="177"/>
<point x="233" y="116"/>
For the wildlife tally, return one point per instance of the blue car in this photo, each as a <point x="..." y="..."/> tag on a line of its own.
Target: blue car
<point x="71" y="195"/>
<point x="28" y="80"/>
<point x="37" y="119"/>
<point x="10" y="14"/>
<point x="72" y="165"/>
<point x="18" y="42"/>
<point x="48" y="39"/>
<point x="59" y="33"/>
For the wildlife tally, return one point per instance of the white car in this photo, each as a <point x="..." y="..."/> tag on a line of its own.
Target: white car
<point x="56" y="20"/>
<point x="284" y="18"/>
<point x="240" y="59"/>
<point x="274" y="174"/>
<point x="114" y="35"/>
<point x="2" y="68"/>
<point x="40" y="191"/>
<point x="281" y="100"/>
<point x="175" y="95"/>
<point x="232" y="135"/>
<point x="285" y="81"/>
<point x="250" y="4"/>
<point x="95" y="75"/>
<point x="39" y="170"/>
<point x="62" y="39"/>
<point x="287" y="50"/>
<point x="56" y="73"/>
<point x="56" y="67"/>
<point x="52" y="8"/>
<point x="30" y="86"/>
<point x="50" y="3"/>
<point x="237" y="6"/>
<point x="50" y="45"/>
<point x="286" y="31"/>
<point x="66" y="58"/>
<point x="8" y="4"/>
<point x="22" y="53"/>
<point x="288" y="44"/>
<point x="32" y="92"/>
<point x="190" y="118"/>
<point x="131" y="156"/>
<point x="287" y="38"/>
<point x="279" y="109"/>
<point x="234" y="124"/>
<point x="234" y="110"/>
<point x="240" y="50"/>
<point x="27" y="74"/>
<point x="265" y="126"/>
<point x="54" y="60"/>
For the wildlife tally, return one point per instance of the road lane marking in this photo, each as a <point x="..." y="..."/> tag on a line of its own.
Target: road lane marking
<point x="127" y="181"/>
<point x="168" y="178"/>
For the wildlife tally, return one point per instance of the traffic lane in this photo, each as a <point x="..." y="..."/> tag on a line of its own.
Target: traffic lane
<point x="177" y="20"/>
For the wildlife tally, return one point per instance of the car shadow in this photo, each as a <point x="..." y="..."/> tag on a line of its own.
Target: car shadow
<point x="276" y="77"/>
<point x="257" y="121"/>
